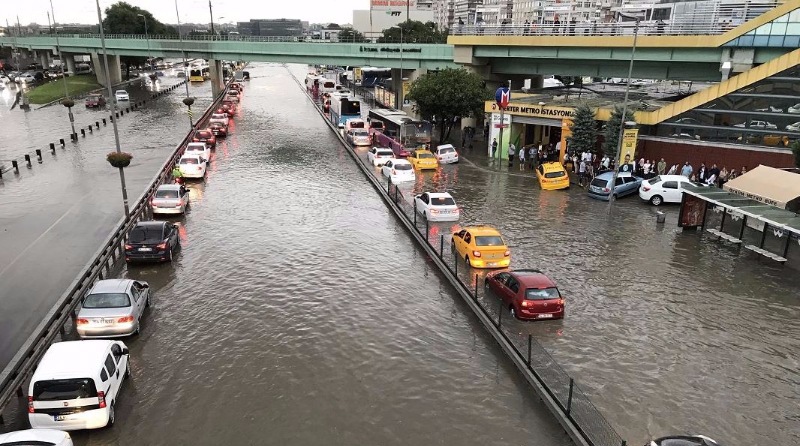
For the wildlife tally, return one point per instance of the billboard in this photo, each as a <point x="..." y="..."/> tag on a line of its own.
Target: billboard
<point x="392" y="5"/>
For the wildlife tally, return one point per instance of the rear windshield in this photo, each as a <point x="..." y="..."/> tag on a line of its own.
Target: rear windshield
<point x="654" y="180"/>
<point x="328" y="84"/>
<point x="424" y="155"/>
<point x="403" y="166"/>
<point x="203" y="134"/>
<point x="376" y="125"/>
<point x="442" y="201"/>
<point x="385" y="153"/>
<point x="167" y="194"/>
<point x="542" y="293"/>
<point x="141" y="234"/>
<point x="489" y="240"/>
<point x="64" y="389"/>
<point x="220" y="116"/>
<point x="107" y="300"/>
<point x="357" y="125"/>
<point x="558" y="174"/>
<point x="447" y="150"/>
<point x="599" y="182"/>
<point x="361" y="133"/>
<point x="189" y="161"/>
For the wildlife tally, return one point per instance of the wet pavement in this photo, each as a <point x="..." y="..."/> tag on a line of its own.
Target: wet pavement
<point x="299" y="312"/>
<point x="55" y="215"/>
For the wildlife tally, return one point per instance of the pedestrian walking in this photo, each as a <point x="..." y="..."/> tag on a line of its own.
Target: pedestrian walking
<point x="522" y="158"/>
<point x="494" y="147"/>
<point x="581" y="173"/>
<point x="511" y="152"/>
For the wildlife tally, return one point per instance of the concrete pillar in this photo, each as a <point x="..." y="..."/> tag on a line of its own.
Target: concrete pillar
<point x="217" y="81"/>
<point x="397" y="87"/>
<point x="69" y="59"/>
<point x="114" y="69"/>
<point x="44" y="59"/>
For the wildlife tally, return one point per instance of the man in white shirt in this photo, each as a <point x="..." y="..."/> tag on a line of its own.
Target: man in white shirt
<point x="512" y="150"/>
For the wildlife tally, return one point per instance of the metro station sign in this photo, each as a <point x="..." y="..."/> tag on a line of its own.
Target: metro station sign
<point x="503" y="97"/>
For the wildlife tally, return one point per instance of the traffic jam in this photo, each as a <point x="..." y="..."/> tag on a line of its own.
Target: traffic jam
<point x="76" y="384"/>
<point x="398" y="147"/>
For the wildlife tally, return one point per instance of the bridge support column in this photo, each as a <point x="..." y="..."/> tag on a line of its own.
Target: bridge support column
<point x="397" y="87"/>
<point x="114" y="69"/>
<point x="69" y="60"/>
<point x="217" y="81"/>
<point x="44" y="59"/>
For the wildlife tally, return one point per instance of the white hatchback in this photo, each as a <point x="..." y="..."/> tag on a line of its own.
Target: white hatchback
<point x="437" y="206"/>
<point x="200" y="149"/>
<point x="192" y="166"/>
<point x="378" y="155"/>
<point x="36" y="437"/>
<point x="398" y="170"/>
<point x="446" y="154"/>
<point x="664" y="189"/>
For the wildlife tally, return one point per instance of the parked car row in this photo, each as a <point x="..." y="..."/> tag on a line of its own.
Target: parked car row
<point x="77" y="384"/>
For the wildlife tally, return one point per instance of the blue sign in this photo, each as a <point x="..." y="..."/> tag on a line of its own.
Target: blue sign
<point x="502" y="96"/>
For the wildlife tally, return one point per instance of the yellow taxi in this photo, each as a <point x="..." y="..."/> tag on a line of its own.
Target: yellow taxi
<point x="423" y="159"/>
<point x="481" y="247"/>
<point x="552" y="176"/>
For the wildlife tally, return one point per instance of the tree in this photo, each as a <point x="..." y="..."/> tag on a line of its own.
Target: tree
<point x="796" y="151"/>
<point x="334" y="26"/>
<point x="584" y="130"/>
<point x="123" y="18"/>
<point x="414" y="32"/>
<point x="611" y="142"/>
<point x="351" y="35"/>
<point x="447" y="94"/>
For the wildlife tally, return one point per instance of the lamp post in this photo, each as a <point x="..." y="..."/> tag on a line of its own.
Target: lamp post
<point x="113" y="107"/>
<point x="211" y="12"/>
<point x="624" y="112"/>
<point x="188" y="100"/>
<point x="147" y="37"/>
<point x="67" y="102"/>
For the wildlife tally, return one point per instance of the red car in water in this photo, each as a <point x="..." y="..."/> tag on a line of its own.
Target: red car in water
<point x="227" y="107"/>
<point x="527" y="294"/>
<point x="206" y="136"/>
<point x="219" y="129"/>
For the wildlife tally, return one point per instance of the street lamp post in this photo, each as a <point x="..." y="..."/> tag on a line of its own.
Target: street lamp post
<point x="624" y="112"/>
<point x="113" y="108"/>
<point x="211" y="12"/>
<point x="188" y="100"/>
<point x="67" y="100"/>
<point x="146" y="36"/>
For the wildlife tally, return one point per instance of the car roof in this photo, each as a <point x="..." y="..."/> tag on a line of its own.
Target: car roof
<point x="150" y="224"/>
<point x="439" y="194"/>
<point x="552" y="166"/>
<point x="532" y="278"/>
<point x="482" y="230"/>
<point x="190" y="156"/>
<point x="422" y="151"/>
<point x="400" y="161"/>
<point x="29" y="436"/>
<point x="111" y="286"/>
<point x="607" y="175"/>
<point x="78" y="359"/>
<point x="169" y="187"/>
<point x="445" y="146"/>
<point x="672" y="178"/>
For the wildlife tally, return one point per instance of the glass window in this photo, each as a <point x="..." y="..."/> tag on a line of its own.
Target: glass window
<point x="442" y="201"/>
<point x="513" y="285"/>
<point x="111" y="366"/>
<point x="670" y="185"/>
<point x="542" y="293"/>
<point x="167" y="194"/>
<point x="424" y="155"/>
<point x="629" y="180"/>
<point x="107" y="300"/>
<point x="189" y="160"/>
<point x="143" y="234"/>
<point x="618" y="182"/>
<point x="599" y="182"/>
<point x="64" y="389"/>
<point x="654" y="180"/>
<point x="778" y="29"/>
<point x="489" y="240"/>
<point x="103" y="375"/>
<point x="558" y="174"/>
<point x="403" y="166"/>
<point x="116" y="350"/>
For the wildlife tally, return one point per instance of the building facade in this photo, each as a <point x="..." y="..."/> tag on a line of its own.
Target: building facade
<point x="443" y="13"/>
<point x="466" y="11"/>
<point x="372" y="22"/>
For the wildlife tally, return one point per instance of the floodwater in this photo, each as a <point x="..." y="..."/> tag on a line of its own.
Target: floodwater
<point x="299" y="312"/>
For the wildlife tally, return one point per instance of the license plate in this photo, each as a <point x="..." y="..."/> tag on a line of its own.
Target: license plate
<point x="145" y="249"/>
<point x="59" y="417"/>
<point x="492" y="264"/>
<point x="544" y="316"/>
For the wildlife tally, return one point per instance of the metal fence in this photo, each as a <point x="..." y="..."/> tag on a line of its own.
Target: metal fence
<point x="571" y="401"/>
<point x="53" y="325"/>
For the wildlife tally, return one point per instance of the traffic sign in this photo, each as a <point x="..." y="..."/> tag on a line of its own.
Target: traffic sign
<point x="502" y="96"/>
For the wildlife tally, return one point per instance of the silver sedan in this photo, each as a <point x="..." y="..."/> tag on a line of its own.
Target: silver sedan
<point x="170" y="199"/>
<point x="113" y="308"/>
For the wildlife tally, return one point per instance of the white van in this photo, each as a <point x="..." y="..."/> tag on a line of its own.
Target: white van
<point x="76" y="385"/>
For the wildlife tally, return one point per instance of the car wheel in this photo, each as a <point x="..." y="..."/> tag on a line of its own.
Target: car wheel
<point x="169" y="255"/>
<point x="147" y="302"/>
<point x="466" y="260"/>
<point x="128" y="370"/>
<point x="111" y="416"/>
<point x="138" y="328"/>
<point x="512" y="312"/>
<point x="425" y="214"/>
<point x="656" y="200"/>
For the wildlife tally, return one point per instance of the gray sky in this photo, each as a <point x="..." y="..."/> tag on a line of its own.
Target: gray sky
<point x="191" y="11"/>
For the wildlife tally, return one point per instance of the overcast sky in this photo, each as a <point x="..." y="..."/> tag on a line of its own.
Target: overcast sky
<point x="191" y="11"/>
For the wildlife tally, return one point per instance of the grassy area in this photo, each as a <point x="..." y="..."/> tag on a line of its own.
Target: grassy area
<point x="54" y="90"/>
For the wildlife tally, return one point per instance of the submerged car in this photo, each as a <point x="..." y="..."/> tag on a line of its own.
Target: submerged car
<point x="152" y="240"/>
<point x="423" y="159"/>
<point x="219" y="129"/>
<point x="95" y="101"/>
<point x="192" y="166"/>
<point x="625" y="184"/>
<point x="446" y="154"/>
<point x="36" y="437"/>
<point x="170" y="199"/>
<point x="398" y="170"/>
<point x="113" y="308"/>
<point x="552" y="176"/>
<point x="664" y="189"/>
<point x="683" y="440"/>
<point x="437" y="206"/>
<point x="359" y="137"/>
<point x="121" y="95"/>
<point x="206" y="136"/>
<point x="527" y="294"/>
<point x="481" y="247"/>
<point x="379" y="155"/>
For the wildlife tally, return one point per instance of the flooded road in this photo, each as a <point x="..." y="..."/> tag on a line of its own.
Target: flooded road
<point x="54" y="216"/>
<point x="299" y="312"/>
<point x="668" y="332"/>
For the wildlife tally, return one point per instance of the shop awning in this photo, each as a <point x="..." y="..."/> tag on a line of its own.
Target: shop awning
<point x="768" y="185"/>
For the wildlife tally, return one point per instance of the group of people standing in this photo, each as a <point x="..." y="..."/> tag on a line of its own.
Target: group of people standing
<point x="529" y="155"/>
<point x="713" y="176"/>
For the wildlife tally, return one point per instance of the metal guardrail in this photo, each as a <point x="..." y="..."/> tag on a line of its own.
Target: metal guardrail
<point x="210" y="38"/>
<point x="103" y="262"/>
<point x="566" y="400"/>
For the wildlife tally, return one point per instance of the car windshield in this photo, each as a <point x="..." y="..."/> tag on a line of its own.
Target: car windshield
<point x="599" y="182"/>
<point x="189" y="161"/>
<point x="442" y="201"/>
<point x="541" y="293"/>
<point x="64" y="389"/>
<point x="402" y="166"/>
<point x="489" y="240"/>
<point x="424" y="155"/>
<point x="557" y="174"/>
<point x="107" y="300"/>
<point x="167" y="194"/>
<point x="143" y="233"/>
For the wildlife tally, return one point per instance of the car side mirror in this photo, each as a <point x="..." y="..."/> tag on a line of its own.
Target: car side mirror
<point x="176" y="227"/>
<point x="145" y="285"/>
<point x="125" y="351"/>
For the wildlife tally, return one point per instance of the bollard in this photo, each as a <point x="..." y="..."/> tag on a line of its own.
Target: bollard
<point x="104" y="121"/>
<point x="569" y="398"/>
<point x="15" y="165"/>
<point x="97" y="124"/>
<point x="122" y="112"/>
<point x="455" y="264"/>
<point x="127" y="110"/>
<point x="661" y="217"/>
<point x="39" y="154"/>
<point x="116" y="114"/>
<point x="500" y="315"/>
<point x="83" y="133"/>
<point x="62" y="142"/>
<point x="441" y="246"/>
<point x="90" y="129"/>
<point x="426" y="230"/>
<point x="415" y="214"/>
<point x="530" y="341"/>
<point x="476" y="287"/>
<point x="28" y="160"/>
<point x="52" y="148"/>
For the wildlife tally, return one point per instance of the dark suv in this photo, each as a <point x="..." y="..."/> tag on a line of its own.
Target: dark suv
<point x="152" y="241"/>
<point x="527" y="293"/>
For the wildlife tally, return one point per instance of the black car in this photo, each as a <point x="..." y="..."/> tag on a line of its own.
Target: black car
<point x="152" y="241"/>
<point x="683" y="440"/>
